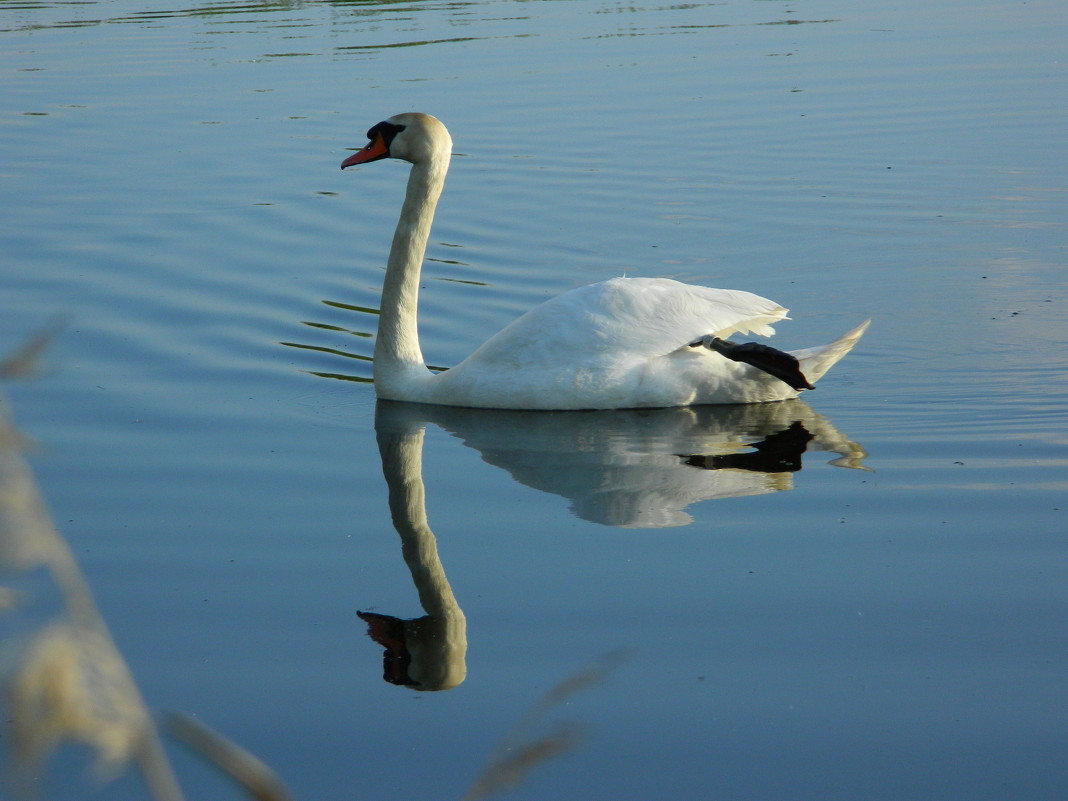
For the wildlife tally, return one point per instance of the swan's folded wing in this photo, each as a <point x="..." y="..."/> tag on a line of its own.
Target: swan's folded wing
<point x="658" y="315"/>
<point x="625" y="319"/>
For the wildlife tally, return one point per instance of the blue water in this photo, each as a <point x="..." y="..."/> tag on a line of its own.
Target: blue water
<point x="886" y="622"/>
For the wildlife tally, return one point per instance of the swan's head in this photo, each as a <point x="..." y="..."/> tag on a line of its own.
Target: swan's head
<point x="413" y="137"/>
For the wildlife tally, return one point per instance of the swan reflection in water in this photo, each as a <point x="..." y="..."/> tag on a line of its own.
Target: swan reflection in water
<point x="427" y="653"/>
<point x="624" y="468"/>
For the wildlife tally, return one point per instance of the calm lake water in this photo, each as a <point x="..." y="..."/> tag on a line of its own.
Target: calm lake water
<point x="882" y="618"/>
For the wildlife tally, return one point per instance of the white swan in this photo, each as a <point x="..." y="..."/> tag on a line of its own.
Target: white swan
<point x="622" y="343"/>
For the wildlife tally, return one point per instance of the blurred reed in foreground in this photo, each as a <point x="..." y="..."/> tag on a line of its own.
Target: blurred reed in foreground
<point x="63" y="680"/>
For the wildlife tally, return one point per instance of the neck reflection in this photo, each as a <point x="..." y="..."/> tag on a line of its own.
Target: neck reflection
<point x="622" y="468"/>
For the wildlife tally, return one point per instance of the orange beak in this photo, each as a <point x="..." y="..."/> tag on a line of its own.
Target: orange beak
<point x="376" y="149"/>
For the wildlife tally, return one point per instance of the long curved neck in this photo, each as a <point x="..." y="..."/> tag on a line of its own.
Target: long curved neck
<point x="397" y="352"/>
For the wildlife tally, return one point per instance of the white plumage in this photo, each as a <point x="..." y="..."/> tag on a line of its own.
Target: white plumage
<point x="621" y="343"/>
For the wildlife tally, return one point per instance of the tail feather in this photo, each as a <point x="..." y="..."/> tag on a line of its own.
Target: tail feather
<point x="817" y="361"/>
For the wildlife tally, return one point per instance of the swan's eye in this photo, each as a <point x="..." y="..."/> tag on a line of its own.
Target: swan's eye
<point x="387" y="130"/>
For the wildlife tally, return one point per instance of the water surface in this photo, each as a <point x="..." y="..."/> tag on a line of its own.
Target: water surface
<point x="880" y="617"/>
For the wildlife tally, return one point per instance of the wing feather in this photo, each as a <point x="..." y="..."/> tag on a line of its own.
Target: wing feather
<point x="625" y="319"/>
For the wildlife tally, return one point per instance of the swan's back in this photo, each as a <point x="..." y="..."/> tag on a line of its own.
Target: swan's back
<point x="619" y="343"/>
<point x="624" y="318"/>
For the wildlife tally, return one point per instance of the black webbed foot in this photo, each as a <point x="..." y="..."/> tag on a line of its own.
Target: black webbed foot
<point x="771" y="360"/>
